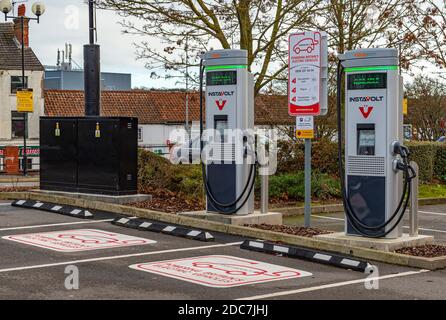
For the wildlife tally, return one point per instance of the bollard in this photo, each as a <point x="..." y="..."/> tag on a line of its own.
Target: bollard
<point x="413" y="217"/>
<point x="264" y="194"/>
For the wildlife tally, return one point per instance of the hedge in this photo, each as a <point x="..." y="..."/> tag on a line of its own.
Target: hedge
<point x="155" y="171"/>
<point x="440" y="162"/>
<point x="291" y="186"/>
<point x="423" y="153"/>
<point x="430" y="156"/>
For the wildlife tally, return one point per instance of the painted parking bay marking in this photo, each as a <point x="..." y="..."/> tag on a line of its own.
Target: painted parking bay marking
<point x="78" y="240"/>
<point x="220" y="271"/>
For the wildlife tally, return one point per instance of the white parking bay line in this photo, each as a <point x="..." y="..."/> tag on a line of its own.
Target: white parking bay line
<point x="5" y="204"/>
<point x="430" y="230"/>
<point x="329" y="218"/>
<point x="421" y="229"/>
<point x="149" y="253"/>
<point x="332" y="285"/>
<point x="433" y="213"/>
<point x="56" y="224"/>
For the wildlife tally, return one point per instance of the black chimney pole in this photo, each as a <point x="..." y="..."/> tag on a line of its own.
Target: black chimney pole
<point x="92" y="69"/>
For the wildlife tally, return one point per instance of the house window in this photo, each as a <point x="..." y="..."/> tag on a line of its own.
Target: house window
<point x="17" y="125"/>
<point x="16" y="83"/>
<point x="29" y="162"/>
<point x="139" y="134"/>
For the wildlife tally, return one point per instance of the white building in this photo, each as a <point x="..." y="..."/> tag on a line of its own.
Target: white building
<point x="160" y="113"/>
<point x="11" y="122"/>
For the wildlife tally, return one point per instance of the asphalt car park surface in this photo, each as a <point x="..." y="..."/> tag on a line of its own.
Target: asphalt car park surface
<point x="32" y="272"/>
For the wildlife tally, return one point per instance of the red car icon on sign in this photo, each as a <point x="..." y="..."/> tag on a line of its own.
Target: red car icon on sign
<point x="306" y="44"/>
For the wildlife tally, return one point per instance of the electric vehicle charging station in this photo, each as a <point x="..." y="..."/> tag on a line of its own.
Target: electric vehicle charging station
<point x="376" y="163"/>
<point x="228" y="174"/>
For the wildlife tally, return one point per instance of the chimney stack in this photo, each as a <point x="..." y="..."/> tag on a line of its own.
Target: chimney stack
<point x="18" y="27"/>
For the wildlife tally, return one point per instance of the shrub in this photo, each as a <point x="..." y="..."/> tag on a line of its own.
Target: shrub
<point x="291" y="156"/>
<point x="155" y="172"/>
<point x="325" y="157"/>
<point x="292" y="186"/>
<point x="423" y="153"/>
<point x="440" y="162"/>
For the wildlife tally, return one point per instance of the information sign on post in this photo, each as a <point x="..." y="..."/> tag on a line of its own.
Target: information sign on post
<point x="305" y="127"/>
<point x="25" y="100"/>
<point x="307" y="73"/>
<point x="307" y="92"/>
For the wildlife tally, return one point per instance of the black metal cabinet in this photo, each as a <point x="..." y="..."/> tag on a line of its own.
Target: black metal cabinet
<point x="105" y="157"/>
<point x="58" y="151"/>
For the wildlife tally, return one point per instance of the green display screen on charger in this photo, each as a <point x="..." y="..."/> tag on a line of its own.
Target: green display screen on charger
<point x="359" y="81"/>
<point x="221" y="78"/>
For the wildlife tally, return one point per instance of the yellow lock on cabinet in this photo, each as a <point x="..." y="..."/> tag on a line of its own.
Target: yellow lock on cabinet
<point x="57" y="131"/>
<point x="97" y="133"/>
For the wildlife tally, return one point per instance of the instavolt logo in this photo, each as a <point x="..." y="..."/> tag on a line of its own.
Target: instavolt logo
<point x="366" y="99"/>
<point x="221" y="94"/>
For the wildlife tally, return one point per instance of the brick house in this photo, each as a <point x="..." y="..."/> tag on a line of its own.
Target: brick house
<point x="160" y="112"/>
<point x="11" y="122"/>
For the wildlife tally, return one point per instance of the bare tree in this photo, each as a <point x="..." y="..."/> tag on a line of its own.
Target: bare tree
<point x="259" y="26"/>
<point x="427" y="108"/>
<point x="427" y="28"/>
<point x="353" y="24"/>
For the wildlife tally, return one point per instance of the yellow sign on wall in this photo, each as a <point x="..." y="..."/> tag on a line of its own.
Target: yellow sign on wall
<point x="405" y="106"/>
<point x="25" y="101"/>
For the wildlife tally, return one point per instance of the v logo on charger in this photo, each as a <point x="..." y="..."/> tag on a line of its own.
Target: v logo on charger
<point x="366" y="111"/>
<point x="221" y="104"/>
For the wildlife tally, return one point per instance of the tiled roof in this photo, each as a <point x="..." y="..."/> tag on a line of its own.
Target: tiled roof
<point x="11" y="54"/>
<point x="155" y="107"/>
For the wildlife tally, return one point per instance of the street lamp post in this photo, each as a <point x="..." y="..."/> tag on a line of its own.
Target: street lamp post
<point x="38" y="9"/>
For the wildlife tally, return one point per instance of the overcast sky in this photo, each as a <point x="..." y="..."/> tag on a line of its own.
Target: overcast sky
<point x="67" y="21"/>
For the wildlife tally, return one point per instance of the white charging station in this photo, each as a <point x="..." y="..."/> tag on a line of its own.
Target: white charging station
<point x="375" y="160"/>
<point x="229" y="166"/>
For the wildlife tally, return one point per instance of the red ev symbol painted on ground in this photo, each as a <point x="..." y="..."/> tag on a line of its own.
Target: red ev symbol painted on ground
<point x="94" y="239"/>
<point x="366" y="111"/>
<point x="221" y="104"/>
<point x="78" y="240"/>
<point x="306" y="44"/>
<point x="220" y="271"/>
<point x="238" y="270"/>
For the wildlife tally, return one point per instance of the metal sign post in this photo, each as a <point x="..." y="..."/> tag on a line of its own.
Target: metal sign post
<point x="307" y="93"/>
<point x="305" y="130"/>
<point x="25" y="104"/>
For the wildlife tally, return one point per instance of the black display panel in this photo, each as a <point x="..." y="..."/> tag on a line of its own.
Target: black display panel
<point x="221" y="78"/>
<point x="359" y="81"/>
<point x="366" y="139"/>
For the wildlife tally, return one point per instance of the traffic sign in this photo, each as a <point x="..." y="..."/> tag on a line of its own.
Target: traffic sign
<point x="220" y="271"/>
<point x="306" y="59"/>
<point x="25" y="102"/>
<point x="305" y="127"/>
